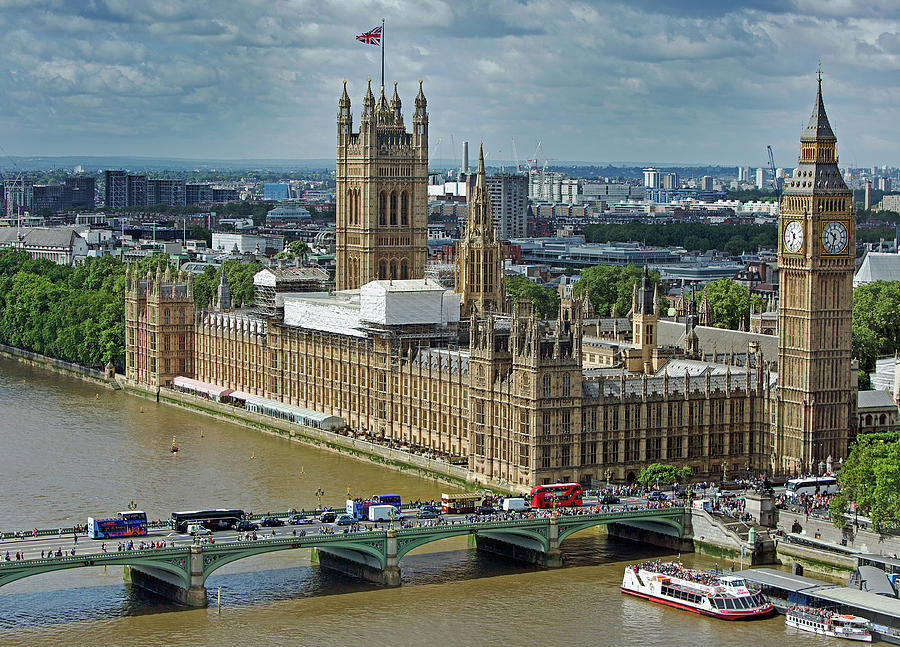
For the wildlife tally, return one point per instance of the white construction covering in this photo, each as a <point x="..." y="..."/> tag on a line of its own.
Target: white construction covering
<point x="338" y="313"/>
<point x="414" y="301"/>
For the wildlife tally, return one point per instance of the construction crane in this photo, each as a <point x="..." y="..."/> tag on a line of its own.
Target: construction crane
<point x="775" y="183"/>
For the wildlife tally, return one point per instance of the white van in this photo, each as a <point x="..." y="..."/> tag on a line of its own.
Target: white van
<point x="197" y="530"/>
<point x="515" y="505"/>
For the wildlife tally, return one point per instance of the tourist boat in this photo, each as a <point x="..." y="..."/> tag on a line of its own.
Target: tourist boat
<point x="721" y="596"/>
<point x="828" y="623"/>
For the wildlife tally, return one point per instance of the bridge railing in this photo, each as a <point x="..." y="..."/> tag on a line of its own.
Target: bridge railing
<point x="165" y="523"/>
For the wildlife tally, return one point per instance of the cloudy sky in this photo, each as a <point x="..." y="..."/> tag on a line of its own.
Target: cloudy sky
<point x="696" y="81"/>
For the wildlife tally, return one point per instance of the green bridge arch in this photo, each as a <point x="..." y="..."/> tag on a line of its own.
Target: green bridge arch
<point x="408" y="540"/>
<point x="172" y="560"/>
<point x="671" y="517"/>
<point x="371" y="544"/>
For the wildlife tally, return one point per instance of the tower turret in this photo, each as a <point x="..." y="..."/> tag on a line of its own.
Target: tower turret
<point x="479" y="261"/>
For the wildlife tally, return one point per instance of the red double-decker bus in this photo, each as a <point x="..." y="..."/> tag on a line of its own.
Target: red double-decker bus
<point x="556" y="495"/>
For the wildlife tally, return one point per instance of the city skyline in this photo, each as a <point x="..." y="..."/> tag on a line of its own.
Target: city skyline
<point x="595" y="82"/>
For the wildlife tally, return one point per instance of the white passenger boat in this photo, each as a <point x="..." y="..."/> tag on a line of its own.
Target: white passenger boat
<point x="827" y="623"/>
<point x="670" y="583"/>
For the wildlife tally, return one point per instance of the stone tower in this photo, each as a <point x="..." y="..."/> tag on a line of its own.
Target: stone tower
<point x="644" y="318"/>
<point x="159" y="326"/>
<point x="223" y="294"/>
<point x="382" y="201"/>
<point x="816" y="397"/>
<point x="479" y="266"/>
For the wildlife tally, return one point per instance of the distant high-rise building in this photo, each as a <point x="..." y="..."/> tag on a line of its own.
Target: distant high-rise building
<point x="706" y="183"/>
<point x="651" y="178"/>
<point x="464" y="167"/>
<point x="509" y="205"/>
<point x="884" y="184"/>
<point x="670" y="180"/>
<point x="136" y="190"/>
<point x="760" y="178"/>
<point x="116" y="191"/>
<point x="278" y="191"/>
<point x="165" y="191"/>
<point x="78" y="192"/>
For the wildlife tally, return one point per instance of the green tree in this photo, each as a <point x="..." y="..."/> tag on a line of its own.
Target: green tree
<point x="663" y="474"/>
<point x="730" y="302"/>
<point x="876" y="311"/>
<point x="609" y="285"/>
<point x="544" y="300"/>
<point x="870" y="479"/>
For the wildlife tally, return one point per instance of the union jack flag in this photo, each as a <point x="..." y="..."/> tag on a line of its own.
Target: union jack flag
<point x="371" y="37"/>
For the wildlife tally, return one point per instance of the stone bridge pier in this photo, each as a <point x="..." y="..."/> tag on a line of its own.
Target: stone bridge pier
<point x="384" y="570"/>
<point x="167" y="584"/>
<point x="540" y="549"/>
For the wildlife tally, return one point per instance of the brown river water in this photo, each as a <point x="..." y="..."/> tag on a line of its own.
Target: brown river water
<point x="66" y="454"/>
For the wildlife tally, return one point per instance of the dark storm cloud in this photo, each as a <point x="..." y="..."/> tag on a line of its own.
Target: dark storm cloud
<point x="681" y="80"/>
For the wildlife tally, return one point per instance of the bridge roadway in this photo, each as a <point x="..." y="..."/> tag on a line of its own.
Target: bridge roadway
<point x="180" y="569"/>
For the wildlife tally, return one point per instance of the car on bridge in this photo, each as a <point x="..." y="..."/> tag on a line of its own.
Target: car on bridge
<point x="328" y="517"/>
<point x="271" y="522"/>
<point x="485" y="509"/>
<point x="197" y="530"/>
<point x="607" y="499"/>
<point x="425" y="513"/>
<point x="656" y="495"/>
<point x="245" y="525"/>
<point x="299" y="519"/>
<point x="344" y="520"/>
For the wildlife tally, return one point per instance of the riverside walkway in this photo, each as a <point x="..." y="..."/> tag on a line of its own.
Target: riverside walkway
<point x="180" y="569"/>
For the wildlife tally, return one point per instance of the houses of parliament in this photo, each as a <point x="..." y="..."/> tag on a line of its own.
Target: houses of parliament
<point x="474" y="374"/>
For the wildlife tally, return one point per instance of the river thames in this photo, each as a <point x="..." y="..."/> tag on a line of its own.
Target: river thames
<point x="67" y="454"/>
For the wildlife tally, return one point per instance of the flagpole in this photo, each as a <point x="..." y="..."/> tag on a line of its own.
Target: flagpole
<point x="382" y="52"/>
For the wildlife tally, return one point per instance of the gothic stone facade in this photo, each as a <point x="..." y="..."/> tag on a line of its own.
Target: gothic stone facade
<point x="508" y="391"/>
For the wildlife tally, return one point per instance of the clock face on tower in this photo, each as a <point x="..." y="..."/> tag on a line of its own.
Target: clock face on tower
<point x="793" y="236"/>
<point x="834" y="237"/>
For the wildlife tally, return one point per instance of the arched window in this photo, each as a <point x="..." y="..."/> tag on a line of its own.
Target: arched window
<point x="393" y="207"/>
<point x="869" y="420"/>
<point x="165" y="315"/>
<point x="354" y="205"/>
<point x="404" y="269"/>
<point x="393" y="269"/>
<point x="382" y="270"/>
<point x="881" y="419"/>
<point x="404" y="208"/>
<point x="382" y="208"/>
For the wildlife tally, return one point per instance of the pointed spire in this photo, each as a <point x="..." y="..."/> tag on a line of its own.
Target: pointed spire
<point x="395" y="99"/>
<point x="420" y="98"/>
<point x="344" y="101"/>
<point x="479" y="178"/>
<point x="818" y="128"/>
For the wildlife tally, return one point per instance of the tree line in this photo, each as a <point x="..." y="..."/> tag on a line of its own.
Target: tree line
<point x="77" y="314"/>
<point x="734" y="239"/>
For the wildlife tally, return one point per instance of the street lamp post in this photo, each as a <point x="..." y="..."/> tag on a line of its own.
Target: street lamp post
<point x="319" y="493"/>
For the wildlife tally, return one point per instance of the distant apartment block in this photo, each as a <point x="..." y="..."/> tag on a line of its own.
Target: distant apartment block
<point x="509" y="205"/>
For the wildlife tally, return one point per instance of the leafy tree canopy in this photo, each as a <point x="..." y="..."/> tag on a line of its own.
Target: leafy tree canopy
<point x="544" y="300"/>
<point x="663" y="474"/>
<point x="613" y="284"/>
<point x="870" y="478"/>
<point x="730" y="302"/>
<point x="734" y="239"/>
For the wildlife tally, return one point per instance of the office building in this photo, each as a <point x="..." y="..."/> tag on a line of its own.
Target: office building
<point x="276" y="192"/>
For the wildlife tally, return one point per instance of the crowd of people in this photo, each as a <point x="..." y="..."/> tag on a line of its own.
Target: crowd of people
<point x="673" y="569"/>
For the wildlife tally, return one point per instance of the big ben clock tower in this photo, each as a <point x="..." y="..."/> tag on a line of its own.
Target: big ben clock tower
<point x="815" y="400"/>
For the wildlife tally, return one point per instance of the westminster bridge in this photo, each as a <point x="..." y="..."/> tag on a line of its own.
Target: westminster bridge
<point x="179" y="572"/>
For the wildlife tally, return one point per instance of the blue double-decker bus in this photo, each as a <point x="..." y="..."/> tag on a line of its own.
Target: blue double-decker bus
<point x="124" y="524"/>
<point x="359" y="508"/>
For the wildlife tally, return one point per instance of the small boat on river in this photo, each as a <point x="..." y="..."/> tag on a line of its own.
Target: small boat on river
<point x="828" y="623"/>
<point x="174" y="448"/>
<point x="720" y="596"/>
